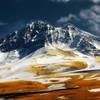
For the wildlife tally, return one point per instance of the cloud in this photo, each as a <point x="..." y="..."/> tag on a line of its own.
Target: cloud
<point x="60" y="1"/>
<point x="67" y="18"/>
<point x="95" y="1"/>
<point x="92" y="16"/>
<point x="89" y="18"/>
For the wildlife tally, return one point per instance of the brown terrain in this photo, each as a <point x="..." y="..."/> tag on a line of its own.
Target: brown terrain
<point x="53" y="82"/>
<point x="78" y="89"/>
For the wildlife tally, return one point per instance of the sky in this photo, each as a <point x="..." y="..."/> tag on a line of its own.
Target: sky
<point x="84" y="14"/>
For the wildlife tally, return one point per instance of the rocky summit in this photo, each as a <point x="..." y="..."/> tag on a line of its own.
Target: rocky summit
<point x="40" y="34"/>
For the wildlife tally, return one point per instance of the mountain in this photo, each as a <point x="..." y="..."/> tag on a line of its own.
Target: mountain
<point x="40" y="34"/>
<point x="41" y="50"/>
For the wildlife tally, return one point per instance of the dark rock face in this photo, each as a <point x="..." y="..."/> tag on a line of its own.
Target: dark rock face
<point x="26" y="40"/>
<point x="37" y="34"/>
<point x="23" y="37"/>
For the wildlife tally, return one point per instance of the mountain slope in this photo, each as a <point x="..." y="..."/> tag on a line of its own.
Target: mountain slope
<point x="40" y="34"/>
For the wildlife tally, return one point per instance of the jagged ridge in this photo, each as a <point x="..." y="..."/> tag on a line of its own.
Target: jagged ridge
<point x="40" y="34"/>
